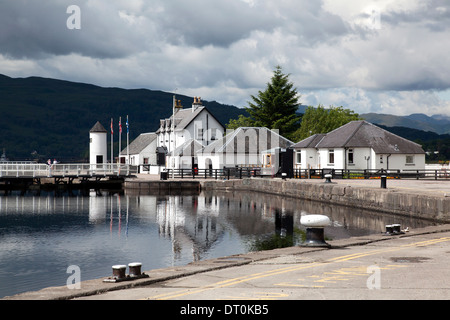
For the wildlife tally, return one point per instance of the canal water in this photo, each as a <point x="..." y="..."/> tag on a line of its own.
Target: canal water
<point x="42" y="235"/>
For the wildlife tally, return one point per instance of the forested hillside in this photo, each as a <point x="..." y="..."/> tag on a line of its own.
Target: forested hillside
<point x="52" y="118"/>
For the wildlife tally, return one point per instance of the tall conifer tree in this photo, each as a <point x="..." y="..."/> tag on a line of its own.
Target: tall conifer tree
<point x="274" y="108"/>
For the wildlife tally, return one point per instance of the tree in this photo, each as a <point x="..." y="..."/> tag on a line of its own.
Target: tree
<point x="321" y="120"/>
<point x="274" y="108"/>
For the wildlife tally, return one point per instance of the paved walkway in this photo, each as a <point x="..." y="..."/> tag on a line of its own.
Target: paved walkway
<point x="436" y="187"/>
<point x="414" y="266"/>
<point x="409" y="266"/>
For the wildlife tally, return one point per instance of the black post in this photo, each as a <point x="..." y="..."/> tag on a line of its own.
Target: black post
<point x="383" y="182"/>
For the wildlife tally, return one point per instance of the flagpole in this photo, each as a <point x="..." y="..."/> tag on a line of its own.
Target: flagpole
<point x="120" y="139"/>
<point x="112" y="143"/>
<point x="128" y="141"/>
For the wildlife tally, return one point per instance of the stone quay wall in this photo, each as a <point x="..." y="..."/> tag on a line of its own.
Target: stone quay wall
<point x="412" y="204"/>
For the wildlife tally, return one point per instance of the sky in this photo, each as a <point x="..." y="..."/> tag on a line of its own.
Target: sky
<point x="386" y="56"/>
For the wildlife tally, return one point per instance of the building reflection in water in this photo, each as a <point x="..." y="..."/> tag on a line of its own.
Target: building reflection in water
<point x="197" y="223"/>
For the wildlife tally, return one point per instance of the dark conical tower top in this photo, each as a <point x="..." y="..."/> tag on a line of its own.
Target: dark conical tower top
<point x="98" y="128"/>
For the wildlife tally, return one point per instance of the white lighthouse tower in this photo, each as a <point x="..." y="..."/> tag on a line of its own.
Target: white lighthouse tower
<point x="98" y="144"/>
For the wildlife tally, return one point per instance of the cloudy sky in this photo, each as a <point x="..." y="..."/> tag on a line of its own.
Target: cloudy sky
<point x="387" y="56"/>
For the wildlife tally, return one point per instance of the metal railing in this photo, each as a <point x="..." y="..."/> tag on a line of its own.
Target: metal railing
<point x="217" y="174"/>
<point x="371" y="174"/>
<point x="244" y="172"/>
<point x="36" y="170"/>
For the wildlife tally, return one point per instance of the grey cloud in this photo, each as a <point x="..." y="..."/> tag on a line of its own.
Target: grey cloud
<point x="222" y="23"/>
<point x="433" y="15"/>
<point x="217" y="23"/>
<point x="36" y="29"/>
<point x="230" y="47"/>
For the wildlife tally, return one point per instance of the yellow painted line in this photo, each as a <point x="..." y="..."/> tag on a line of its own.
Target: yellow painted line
<point x="362" y="254"/>
<point x="234" y="281"/>
<point x="288" y="284"/>
<point x="247" y="278"/>
<point x="259" y="296"/>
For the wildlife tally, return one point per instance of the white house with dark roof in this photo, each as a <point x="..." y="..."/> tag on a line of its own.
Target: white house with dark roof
<point x="142" y="151"/>
<point x="192" y="123"/>
<point x="187" y="131"/>
<point x="178" y="139"/>
<point x="243" y="147"/>
<point x="358" y="145"/>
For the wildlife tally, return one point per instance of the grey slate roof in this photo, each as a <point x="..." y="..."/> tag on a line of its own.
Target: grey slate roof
<point x="140" y="143"/>
<point x="182" y="119"/>
<point x="259" y="139"/>
<point x="310" y="142"/>
<point x="98" y="127"/>
<point x="365" y="135"/>
<point x="188" y="148"/>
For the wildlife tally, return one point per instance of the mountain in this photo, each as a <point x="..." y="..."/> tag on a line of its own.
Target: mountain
<point x="52" y="118"/>
<point x="437" y="123"/>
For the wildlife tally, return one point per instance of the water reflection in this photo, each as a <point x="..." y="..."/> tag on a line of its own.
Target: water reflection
<point x="41" y="235"/>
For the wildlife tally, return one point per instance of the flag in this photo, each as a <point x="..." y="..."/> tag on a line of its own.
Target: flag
<point x="120" y="125"/>
<point x="112" y="131"/>
<point x="128" y="128"/>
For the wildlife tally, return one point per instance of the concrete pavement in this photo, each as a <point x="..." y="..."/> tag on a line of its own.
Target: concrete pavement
<point x="409" y="266"/>
<point x="414" y="266"/>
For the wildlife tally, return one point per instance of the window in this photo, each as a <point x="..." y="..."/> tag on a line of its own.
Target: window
<point x="331" y="156"/>
<point x="268" y="161"/>
<point x="200" y="134"/>
<point x="213" y="133"/>
<point x="299" y="157"/>
<point x="350" y="156"/>
<point x="247" y="144"/>
<point x="381" y="158"/>
<point x="410" y="160"/>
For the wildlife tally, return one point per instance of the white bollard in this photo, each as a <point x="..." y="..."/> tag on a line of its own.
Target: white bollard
<point x="315" y="225"/>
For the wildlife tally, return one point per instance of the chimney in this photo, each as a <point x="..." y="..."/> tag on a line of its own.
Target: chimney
<point x="176" y="105"/>
<point x="197" y="102"/>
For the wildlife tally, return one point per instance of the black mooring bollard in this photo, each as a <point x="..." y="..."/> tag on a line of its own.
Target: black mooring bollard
<point x="119" y="271"/>
<point x="393" y="229"/>
<point x="328" y="178"/>
<point x="315" y="225"/>
<point x="383" y="182"/>
<point x="389" y="230"/>
<point x="396" y="229"/>
<point x="134" y="269"/>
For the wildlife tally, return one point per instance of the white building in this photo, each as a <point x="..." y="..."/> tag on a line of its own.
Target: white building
<point x="358" y="145"/>
<point x="242" y="147"/>
<point x="176" y="143"/>
<point x="98" y="144"/>
<point x="141" y="152"/>
<point x="187" y="131"/>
